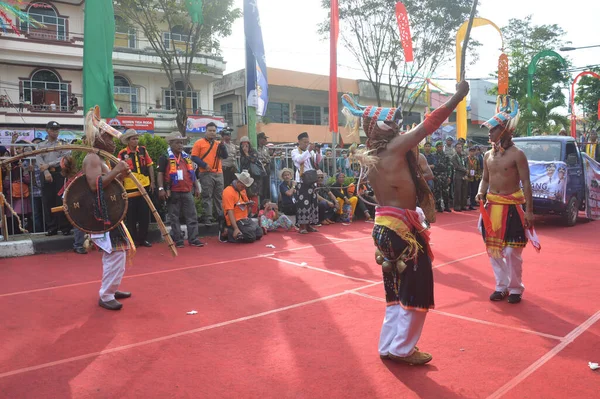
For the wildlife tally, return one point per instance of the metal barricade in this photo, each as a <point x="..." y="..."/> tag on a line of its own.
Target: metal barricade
<point x="22" y="188"/>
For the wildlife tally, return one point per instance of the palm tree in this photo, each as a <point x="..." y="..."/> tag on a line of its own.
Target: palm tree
<point x="542" y="117"/>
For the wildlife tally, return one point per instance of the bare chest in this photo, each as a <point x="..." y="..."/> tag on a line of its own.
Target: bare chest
<point x="501" y="163"/>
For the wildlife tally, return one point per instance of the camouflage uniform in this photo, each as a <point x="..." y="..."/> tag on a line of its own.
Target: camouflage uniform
<point x="442" y="172"/>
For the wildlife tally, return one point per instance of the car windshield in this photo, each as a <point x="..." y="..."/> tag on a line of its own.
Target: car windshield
<point x="537" y="150"/>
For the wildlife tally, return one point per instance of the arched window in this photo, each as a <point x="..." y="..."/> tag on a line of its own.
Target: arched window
<point x="55" y="26"/>
<point x="45" y="90"/>
<point x="125" y="35"/>
<point x="126" y="96"/>
<point x="179" y="93"/>
<point x="179" y="37"/>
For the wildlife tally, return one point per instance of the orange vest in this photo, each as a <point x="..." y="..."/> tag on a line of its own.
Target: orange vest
<point x="201" y="148"/>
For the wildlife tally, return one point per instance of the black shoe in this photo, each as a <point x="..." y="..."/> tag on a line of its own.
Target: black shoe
<point x="110" y="305"/>
<point x="66" y="232"/>
<point x="122" y="295"/>
<point x="80" y="251"/>
<point x="144" y="244"/>
<point x="179" y="244"/>
<point x="514" y="298"/>
<point x="51" y="233"/>
<point x="498" y="296"/>
<point x="471" y="208"/>
<point x="222" y="238"/>
<point x="196" y="243"/>
<point x="458" y="210"/>
<point x="447" y="210"/>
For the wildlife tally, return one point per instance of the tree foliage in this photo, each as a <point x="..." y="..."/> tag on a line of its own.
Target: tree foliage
<point x="369" y="31"/>
<point x="523" y="40"/>
<point x="587" y="96"/>
<point x="182" y="58"/>
<point x="542" y="117"/>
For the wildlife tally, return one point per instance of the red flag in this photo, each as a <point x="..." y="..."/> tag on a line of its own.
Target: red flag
<point x="599" y="110"/>
<point x="404" y="27"/>
<point x="333" y="91"/>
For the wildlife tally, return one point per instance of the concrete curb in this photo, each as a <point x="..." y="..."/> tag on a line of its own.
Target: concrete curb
<point x="35" y="244"/>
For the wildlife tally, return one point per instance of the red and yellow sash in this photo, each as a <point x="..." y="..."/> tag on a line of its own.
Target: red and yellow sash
<point x="495" y="217"/>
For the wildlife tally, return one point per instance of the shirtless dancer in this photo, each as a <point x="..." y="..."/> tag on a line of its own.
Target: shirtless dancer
<point x="399" y="235"/>
<point x="505" y="168"/>
<point x="115" y="243"/>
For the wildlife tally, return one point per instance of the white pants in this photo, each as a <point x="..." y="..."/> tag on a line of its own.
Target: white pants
<point x="509" y="271"/>
<point x="113" y="268"/>
<point x="401" y="331"/>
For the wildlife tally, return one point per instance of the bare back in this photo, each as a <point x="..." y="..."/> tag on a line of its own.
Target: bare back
<point x="392" y="181"/>
<point x="92" y="167"/>
<point x="503" y="170"/>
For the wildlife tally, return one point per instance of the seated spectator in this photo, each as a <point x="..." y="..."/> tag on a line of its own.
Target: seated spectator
<point x="347" y="201"/>
<point x="365" y="193"/>
<point x="270" y="219"/>
<point x="240" y="228"/>
<point x="287" y="192"/>
<point x="328" y="205"/>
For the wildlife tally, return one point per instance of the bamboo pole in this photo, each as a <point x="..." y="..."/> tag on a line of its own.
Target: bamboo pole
<point x="114" y="160"/>
<point x="3" y="222"/>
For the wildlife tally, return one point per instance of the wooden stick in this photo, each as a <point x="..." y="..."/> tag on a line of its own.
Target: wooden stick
<point x="463" y="56"/>
<point x="114" y="160"/>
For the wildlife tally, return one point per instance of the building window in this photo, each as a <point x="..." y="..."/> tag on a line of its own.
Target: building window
<point x="227" y="113"/>
<point x="278" y="112"/>
<point x="171" y="96"/>
<point x="54" y="26"/>
<point x="125" y="35"/>
<point x="45" y="91"/>
<point x="126" y="96"/>
<point x="307" y="115"/>
<point x="179" y="38"/>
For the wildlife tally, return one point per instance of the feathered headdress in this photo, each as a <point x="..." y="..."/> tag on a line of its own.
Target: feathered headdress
<point x="377" y="121"/>
<point x="507" y="116"/>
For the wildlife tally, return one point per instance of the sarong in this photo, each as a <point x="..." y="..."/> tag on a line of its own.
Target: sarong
<point x="398" y="233"/>
<point x="307" y="208"/>
<point x="502" y="223"/>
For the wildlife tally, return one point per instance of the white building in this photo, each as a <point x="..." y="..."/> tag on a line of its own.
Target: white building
<point x="42" y="69"/>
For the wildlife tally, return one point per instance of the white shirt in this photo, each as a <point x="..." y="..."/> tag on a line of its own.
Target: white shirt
<point x="302" y="159"/>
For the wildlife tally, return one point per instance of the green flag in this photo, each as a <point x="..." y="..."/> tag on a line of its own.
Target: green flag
<point x="99" y="39"/>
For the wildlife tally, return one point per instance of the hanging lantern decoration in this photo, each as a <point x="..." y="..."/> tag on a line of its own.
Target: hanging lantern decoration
<point x="404" y="27"/>
<point x="503" y="74"/>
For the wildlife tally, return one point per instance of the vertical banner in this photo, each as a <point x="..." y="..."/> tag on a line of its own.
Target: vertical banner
<point x="503" y="74"/>
<point x="592" y="184"/>
<point x="98" y="75"/>
<point x="256" y="67"/>
<point x="404" y="27"/>
<point x="333" y="90"/>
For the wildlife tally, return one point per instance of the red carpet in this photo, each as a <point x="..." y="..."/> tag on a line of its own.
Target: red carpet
<point x="301" y="321"/>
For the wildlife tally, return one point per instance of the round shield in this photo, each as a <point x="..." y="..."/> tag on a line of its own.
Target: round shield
<point x="78" y="204"/>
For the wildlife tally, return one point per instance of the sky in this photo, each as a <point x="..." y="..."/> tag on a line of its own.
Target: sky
<point x="291" y="40"/>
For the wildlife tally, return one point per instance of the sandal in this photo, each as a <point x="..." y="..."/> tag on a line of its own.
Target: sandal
<point x="303" y="231"/>
<point x="312" y="229"/>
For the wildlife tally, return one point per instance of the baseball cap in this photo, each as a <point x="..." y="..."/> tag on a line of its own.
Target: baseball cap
<point x="53" y="125"/>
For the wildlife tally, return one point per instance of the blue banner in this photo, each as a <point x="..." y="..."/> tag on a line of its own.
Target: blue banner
<point x="256" y="66"/>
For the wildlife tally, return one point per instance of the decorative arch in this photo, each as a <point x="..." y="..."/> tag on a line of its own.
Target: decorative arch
<point x="461" y="109"/>
<point x="573" y="117"/>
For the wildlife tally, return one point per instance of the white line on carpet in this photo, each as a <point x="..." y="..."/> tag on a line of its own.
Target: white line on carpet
<point x="177" y="335"/>
<point x="322" y="270"/>
<point x="471" y="319"/>
<point x="549" y="355"/>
